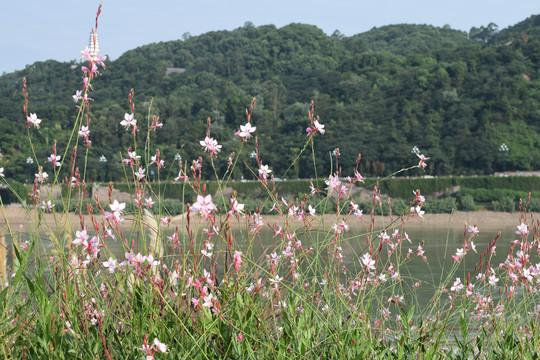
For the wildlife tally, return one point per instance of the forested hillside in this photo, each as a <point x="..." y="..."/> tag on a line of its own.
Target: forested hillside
<point x="454" y="96"/>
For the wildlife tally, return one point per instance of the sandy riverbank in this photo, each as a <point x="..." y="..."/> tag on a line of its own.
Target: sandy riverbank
<point x="20" y="219"/>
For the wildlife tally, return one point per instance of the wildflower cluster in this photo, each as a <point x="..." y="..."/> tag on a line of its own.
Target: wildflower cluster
<point x="221" y="280"/>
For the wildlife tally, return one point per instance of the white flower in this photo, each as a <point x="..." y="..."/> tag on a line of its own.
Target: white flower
<point x="246" y="130"/>
<point x="128" y="121"/>
<point x="160" y="346"/>
<point x="33" y="119"/>
<point x="458" y="285"/>
<point x="264" y="171"/>
<point x="319" y="127"/>
<point x="275" y="280"/>
<point x="210" y="145"/>
<point x="117" y="208"/>
<point x="523" y="230"/>
<point x="368" y="261"/>
<point x="111" y="264"/>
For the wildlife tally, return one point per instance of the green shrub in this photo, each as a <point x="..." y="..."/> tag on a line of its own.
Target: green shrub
<point x="403" y="188"/>
<point x="506" y="204"/>
<point x="465" y="203"/>
<point x="12" y="193"/>
<point x="438" y="206"/>
<point x="534" y="204"/>
<point x="71" y="206"/>
<point x="172" y="207"/>
<point x="398" y="207"/>
<point x="488" y="195"/>
<point x="76" y="191"/>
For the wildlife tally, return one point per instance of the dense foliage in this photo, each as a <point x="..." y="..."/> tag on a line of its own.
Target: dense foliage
<point x="456" y="96"/>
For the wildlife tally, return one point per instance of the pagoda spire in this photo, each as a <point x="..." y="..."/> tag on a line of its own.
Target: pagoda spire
<point x="93" y="45"/>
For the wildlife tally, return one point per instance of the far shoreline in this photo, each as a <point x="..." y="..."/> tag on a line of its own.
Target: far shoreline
<point x="19" y="219"/>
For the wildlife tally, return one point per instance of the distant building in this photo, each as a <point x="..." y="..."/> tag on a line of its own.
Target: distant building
<point x="93" y="45"/>
<point x="173" y="70"/>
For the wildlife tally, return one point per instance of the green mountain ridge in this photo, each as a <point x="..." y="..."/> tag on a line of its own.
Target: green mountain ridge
<point x="455" y="96"/>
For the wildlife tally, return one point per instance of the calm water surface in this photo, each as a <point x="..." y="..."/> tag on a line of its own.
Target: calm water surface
<point x="439" y="245"/>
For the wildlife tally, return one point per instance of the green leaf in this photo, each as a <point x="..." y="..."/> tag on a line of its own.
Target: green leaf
<point x="463" y="327"/>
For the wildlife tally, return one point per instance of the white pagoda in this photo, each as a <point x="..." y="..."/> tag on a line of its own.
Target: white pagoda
<point x="93" y="45"/>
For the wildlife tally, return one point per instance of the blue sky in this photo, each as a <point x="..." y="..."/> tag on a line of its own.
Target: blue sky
<point x="58" y="29"/>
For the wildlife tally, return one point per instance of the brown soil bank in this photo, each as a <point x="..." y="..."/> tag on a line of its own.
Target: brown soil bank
<point x="19" y="219"/>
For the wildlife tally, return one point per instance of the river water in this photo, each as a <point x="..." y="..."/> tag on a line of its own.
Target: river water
<point x="439" y="245"/>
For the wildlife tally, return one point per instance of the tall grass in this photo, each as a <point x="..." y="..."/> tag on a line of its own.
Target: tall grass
<point x="192" y="286"/>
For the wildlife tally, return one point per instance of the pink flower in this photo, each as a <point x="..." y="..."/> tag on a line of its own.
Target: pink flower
<point x="459" y="254"/>
<point x="210" y="145"/>
<point x="420" y="252"/>
<point x="161" y="347"/>
<point x="256" y="222"/>
<point x="473" y="230"/>
<point x="208" y="301"/>
<point x="204" y="205"/>
<point x="47" y="206"/>
<point x="470" y="290"/>
<point x="419" y="198"/>
<point x="358" y="176"/>
<point x="77" y="96"/>
<point x="42" y="176"/>
<point x="100" y="59"/>
<point x="275" y="280"/>
<point x="160" y="163"/>
<point x="148" y="202"/>
<point x="422" y="160"/>
<point x="156" y="124"/>
<point x="458" y="286"/>
<point x="207" y="251"/>
<point x="355" y="210"/>
<point x="237" y="260"/>
<point x="368" y="261"/>
<point x="133" y="157"/>
<point x="523" y="230"/>
<point x="418" y="210"/>
<point x="54" y="159"/>
<point x="340" y="228"/>
<point x="84" y="132"/>
<point x="140" y="174"/>
<point x="319" y="127"/>
<point x="80" y="237"/>
<point x="151" y="350"/>
<point x="33" y="120"/>
<point x="333" y="183"/>
<point x="264" y="171"/>
<point x="86" y="54"/>
<point x="236" y="207"/>
<point x="180" y="176"/>
<point x="111" y="265"/>
<point x="384" y="236"/>
<point x="117" y="208"/>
